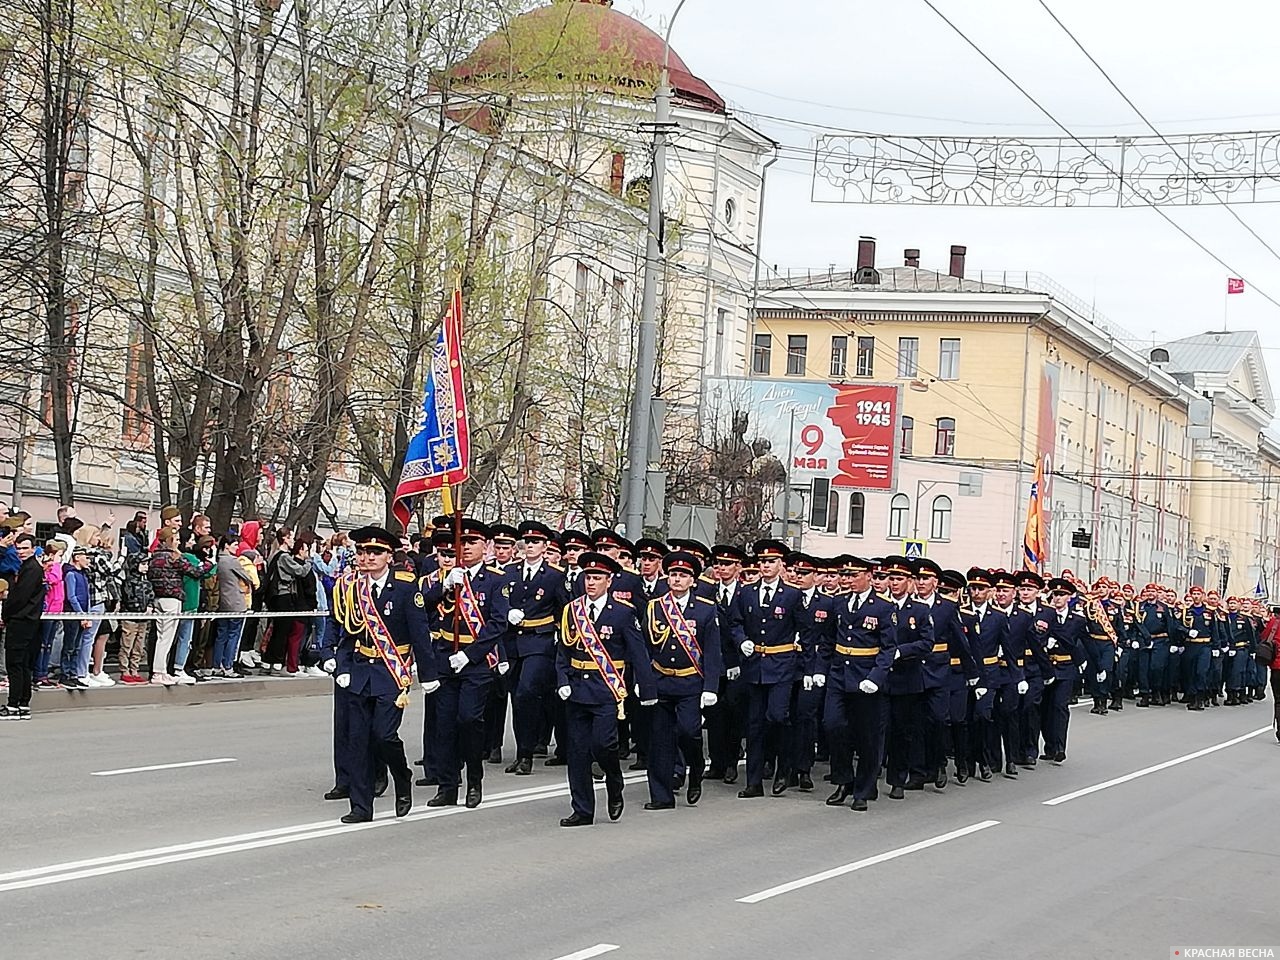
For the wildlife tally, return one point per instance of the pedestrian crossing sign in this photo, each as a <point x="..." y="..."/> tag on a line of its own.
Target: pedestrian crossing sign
<point x="913" y="549"/>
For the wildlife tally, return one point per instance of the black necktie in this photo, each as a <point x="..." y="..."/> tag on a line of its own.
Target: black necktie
<point x="528" y="574"/>
<point x="724" y="596"/>
<point x="767" y="597"/>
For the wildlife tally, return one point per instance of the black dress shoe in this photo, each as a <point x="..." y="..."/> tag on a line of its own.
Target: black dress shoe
<point x="356" y="818"/>
<point x="961" y="777"/>
<point x="715" y="773"/>
<point x="897" y="793"/>
<point x="444" y="798"/>
<point x="650" y="805"/>
<point x="576" y="820"/>
<point x="678" y="784"/>
<point x="1027" y="764"/>
<point x="840" y="796"/>
<point x="731" y="775"/>
<point x="557" y="762"/>
<point x="338" y="793"/>
<point x="513" y="766"/>
<point x="380" y="787"/>
<point x="805" y="782"/>
<point x="940" y="778"/>
<point x="474" y="795"/>
<point x="1010" y="771"/>
<point x="639" y="765"/>
<point x="539" y="749"/>
<point x="779" y="786"/>
<point x="1143" y="701"/>
<point x="749" y="792"/>
<point x="914" y="785"/>
<point x="427" y="782"/>
<point x="524" y="767"/>
<point x="404" y="804"/>
<point x="615" y="807"/>
<point x="984" y="773"/>
<point x="858" y="804"/>
<point x="1059" y="757"/>
<point x="495" y="755"/>
<point x="695" y="792"/>
<point x="1046" y="756"/>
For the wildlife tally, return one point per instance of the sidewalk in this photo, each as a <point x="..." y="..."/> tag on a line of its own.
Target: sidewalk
<point x="209" y="691"/>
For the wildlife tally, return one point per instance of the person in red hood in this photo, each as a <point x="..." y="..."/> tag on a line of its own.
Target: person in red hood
<point x="250" y="532"/>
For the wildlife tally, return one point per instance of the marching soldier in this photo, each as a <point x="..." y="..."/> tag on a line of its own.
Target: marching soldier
<point x="572" y="544"/>
<point x="1200" y="636"/>
<point x="856" y="671"/>
<point x="1012" y="654"/>
<point x="771" y="664"/>
<point x="964" y="677"/>
<point x="1100" y="648"/>
<point x="1152" y="623"/>
<point x="1036" y="665"/>
<point x="817" y="618"/>
<point x="649" y="553"/>
<point x="383" y="632"/>
<point x="1065" y="647"/>
<point x="1239" y="642"/>
<point x="504" y="543"/>
<point x="599" y="641"/>
<point x="495" y="714"/>
<point x="470" y="618"/>
<point x="727" y="720"/>
<point x="683" y="632"/>
<point x="536" y="595"/>
<point x="911" y="641"/>
<point x="750" y="570"/>
<point x="992" y="707"/>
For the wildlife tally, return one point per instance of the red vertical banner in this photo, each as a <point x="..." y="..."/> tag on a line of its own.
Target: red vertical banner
<point x="867" y="417"/>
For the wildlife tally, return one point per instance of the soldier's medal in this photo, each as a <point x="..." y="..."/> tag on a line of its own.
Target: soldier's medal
<point x="539" y="594"/>
<point x="387" y="609"/>
<point x="911" y="622"/>
<point x="418" y="601"/>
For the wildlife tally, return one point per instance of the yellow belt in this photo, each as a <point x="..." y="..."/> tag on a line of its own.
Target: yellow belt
<point x="940" y="648"/>
<point x="782" y="648"/>
<point x="990" y="661"/>
<point x="1157" y="636"/>
<point x="591" y="664"/>
<point x="1197" y="639"/>
<point x="1060" y="657"/>
<point x="672" y="672"/>
<point x="955" y="661"/>
<point x="538" y="622"/>
<point x="373" y="651"/>
<point x="463" y="639"/>
<point x="856" y="651"/>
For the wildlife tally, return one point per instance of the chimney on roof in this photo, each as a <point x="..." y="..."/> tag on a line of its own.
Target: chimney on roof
<point x="866" y="252"/>
<point x="957" y="261"/>
<point x="911" y="257"/>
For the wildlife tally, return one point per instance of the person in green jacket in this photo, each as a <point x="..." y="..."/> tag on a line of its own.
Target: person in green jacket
<point x="200" y="555"/>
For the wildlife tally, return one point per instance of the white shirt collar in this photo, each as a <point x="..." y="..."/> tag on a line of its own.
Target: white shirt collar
<point x="532" y="568"/>
<point x="380" y="584"/>
<point x="929" y="600"/>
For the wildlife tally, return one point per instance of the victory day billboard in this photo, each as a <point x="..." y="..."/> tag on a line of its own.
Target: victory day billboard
<point x="846" y="432"/>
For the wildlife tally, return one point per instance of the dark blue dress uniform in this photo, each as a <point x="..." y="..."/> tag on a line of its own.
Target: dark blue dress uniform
<point x="540" y="594"/>
<point x="1065" y="647"/>
<point x="727" y="720"/>
<point x="591" y="709"/>
<point x="1030" y="622"/>
<point x="1239" y="639"/>
<point x="912" y="639"/>
<point x="460" y="701"/>
<point x="1217" y="655"/>
<point x="770" y="621"/>
<point x="855" y="721"/>
<point x="1100" y="651"/>
<point x="817" y="617"/>
<point x="945" y="670"/>
<point x="373" y="697"/>
<point x="1127" y="647"/>
<point x="1152" y="626"/>
<point x="995" y="700"/>
<point x="682" y="677"/>
<point x="1200" y="637"/>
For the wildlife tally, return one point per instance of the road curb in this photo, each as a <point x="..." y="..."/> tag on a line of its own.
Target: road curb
<point x="212" y="691"/>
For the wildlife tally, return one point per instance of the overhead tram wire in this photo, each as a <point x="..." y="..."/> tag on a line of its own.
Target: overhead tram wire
<point x="1089" y="150"/>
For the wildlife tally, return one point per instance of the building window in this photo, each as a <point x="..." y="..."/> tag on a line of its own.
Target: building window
<point x="833" y="512"/>
<point x="819" y="501"/>
<point x="839" y="357"/>
<point x="949" y="359"/>
<point x="797" y="347"/>
<point x="866" y="356"/>
<point x="722" y="322"/>
<point x="581" y="279"/>
<point x="908" y="356"/>
<point x="617" y="173"/>
<point x="761" y="351"/>
<point x="857" y="513"/>
<point x="899" y="507"/>
<point x="940" y="520"/>
<point x="946" y="443"/>
<point x="906" y="437"/>
<point x="731" y="212"/>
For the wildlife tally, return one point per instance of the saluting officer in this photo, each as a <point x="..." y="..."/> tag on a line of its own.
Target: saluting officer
<point x="683" y="633"/>
<point x="1065" y="647"/>
<point x="856" y="670"/>
<point x="383" y="631"/>
<point x="771" y="665"/>
<point x="600" y="646"/>
<point x="912" y="641"/>
<point x="470" y="617"/>
<point x="536" y="595"/>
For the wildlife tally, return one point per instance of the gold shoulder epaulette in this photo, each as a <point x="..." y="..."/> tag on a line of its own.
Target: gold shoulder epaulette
<point x="706" y="600"/>
<point x="406" y="576"/>
<point x="495" y="569"/>
<point x="625" y="603"/>
<point x="555" y="566"/>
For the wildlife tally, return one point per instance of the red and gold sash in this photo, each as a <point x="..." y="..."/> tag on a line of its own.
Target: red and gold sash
<point x="595" y="649"/>
<point x="683" y="629"/>
<point x="396" y="665"/>
<point x="472" y="617"/>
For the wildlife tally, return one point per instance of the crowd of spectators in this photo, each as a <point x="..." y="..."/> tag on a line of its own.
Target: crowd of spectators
<point x="100" y="576"/>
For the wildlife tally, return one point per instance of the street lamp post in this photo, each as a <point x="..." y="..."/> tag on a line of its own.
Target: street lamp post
<point x="647" y="335"/>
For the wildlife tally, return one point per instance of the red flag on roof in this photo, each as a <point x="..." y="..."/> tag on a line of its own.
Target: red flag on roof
<point x="1235" y="285"/>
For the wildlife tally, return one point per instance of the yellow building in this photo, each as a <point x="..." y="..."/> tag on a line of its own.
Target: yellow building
<point x="1001" y="372"/>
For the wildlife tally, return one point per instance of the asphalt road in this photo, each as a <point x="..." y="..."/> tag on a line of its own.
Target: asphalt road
<point x="242" y="858"/>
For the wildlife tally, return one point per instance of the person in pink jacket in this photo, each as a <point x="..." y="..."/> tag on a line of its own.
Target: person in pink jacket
<point x="55" y="601"/>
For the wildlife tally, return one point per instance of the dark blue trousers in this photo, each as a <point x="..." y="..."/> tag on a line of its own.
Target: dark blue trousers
<point x="1195" y="669"/>
<point x="904" y="734"/>
<point x="1056" y="716"/>
<point x="533" y="680"/>
<point x="1029" y="720"/>
<point x="806" y="708"/>
<point x="930" y="754"/>
<point x="459" y="741"/>
<point x="675" y="724"/>
<point x="725" y="724"/>
<point x="373" y="737"/>
<point x="768" y="720"/>
<point x="591" y="733"/>
<point x="856" y="724"/>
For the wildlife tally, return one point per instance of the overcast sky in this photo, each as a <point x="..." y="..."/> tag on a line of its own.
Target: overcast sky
<point x="892" y="66"/>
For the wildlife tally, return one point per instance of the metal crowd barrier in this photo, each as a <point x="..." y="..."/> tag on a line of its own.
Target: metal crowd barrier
<point x="191" y="615"/>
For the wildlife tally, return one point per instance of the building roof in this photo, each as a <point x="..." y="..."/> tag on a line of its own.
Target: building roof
<point x="894" y="279"/>
<point x="1211" y="352"/>
<point x="585" y="40"/>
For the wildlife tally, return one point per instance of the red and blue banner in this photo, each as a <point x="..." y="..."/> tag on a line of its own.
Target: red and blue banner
<point x="439" y="454"/>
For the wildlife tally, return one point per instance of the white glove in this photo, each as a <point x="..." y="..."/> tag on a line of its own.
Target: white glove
<point x="1023" y="686"/>
<point x="972" y="681"/>
<point x="1231" y="653"/>
<point x="979" y="692"/>
<point x="504" y="667"/>
<point x="896" y="653"/>
<point x="1102" y="675"/>
<point x="457" y="661"/>
<point x="1216" y="652"/>
<point x="1175" y="649"/>
<point x="343" y="680"/>
<point x="747" y="648"/>
<point x="649" y="703"/>
<point x="515" y="617"/>
<point x="454" y="578"/>
<point x="866" y="686"/>
<point x="636" y="690"/>
<point x="807" y="683"/>
<point x="709" y="699"/>
<point x="819" y="680"/>
<point x="1135" y="645"/>
<point x="430" y="687"/>
<point x="329" y="665"/>
<point x="564" y="692"/>
<point x="733" y="673"/>
<point x="1048" y="681"/>
<point x="1051" y="644"/>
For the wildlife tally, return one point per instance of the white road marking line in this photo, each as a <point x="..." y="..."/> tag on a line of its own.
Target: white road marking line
<point x="1154" y="769"/>
<point x="589" y="952"/>
<point x="868" y="862"/>
<point x="199" y="849"/>
<point x="162" y="766"/>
